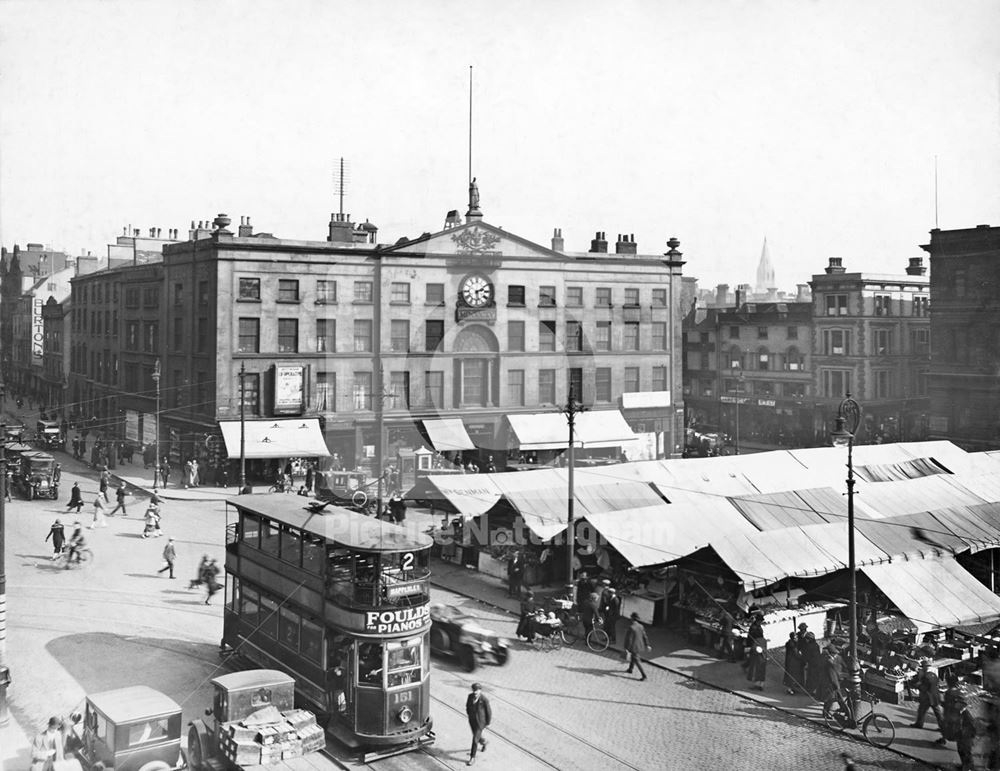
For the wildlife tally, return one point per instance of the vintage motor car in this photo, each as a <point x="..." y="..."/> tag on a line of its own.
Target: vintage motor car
<point x="455" y="633"/>
<point x="135" y="728"/>
<point x="49" y="435"/>
<point x="35" y="478"/>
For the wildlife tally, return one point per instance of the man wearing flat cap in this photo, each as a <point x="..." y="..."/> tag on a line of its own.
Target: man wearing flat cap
<point x="477" y="707"/>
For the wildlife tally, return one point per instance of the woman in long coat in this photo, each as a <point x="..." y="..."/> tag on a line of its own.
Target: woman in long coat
<point x="757" y="655"/>
<point x="812" y="657"/>
<point x="794" y="666"/>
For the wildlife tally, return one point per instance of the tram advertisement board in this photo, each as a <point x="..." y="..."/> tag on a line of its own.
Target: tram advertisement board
<point x="398" y="620"/>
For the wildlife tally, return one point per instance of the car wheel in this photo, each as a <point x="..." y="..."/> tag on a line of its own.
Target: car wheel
<point x="439" y="641"/>
<point x="195" y="749"/>
<point x="155" y="765"/>
<point x="467" y="658"/>
<point x="502" y="655"/>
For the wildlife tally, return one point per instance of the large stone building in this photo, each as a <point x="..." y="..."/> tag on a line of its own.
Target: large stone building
<point x="964" y="380"/>
<point x="456" y="340"/>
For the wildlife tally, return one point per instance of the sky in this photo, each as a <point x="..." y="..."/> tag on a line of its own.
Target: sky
<point x="813" y="124"/>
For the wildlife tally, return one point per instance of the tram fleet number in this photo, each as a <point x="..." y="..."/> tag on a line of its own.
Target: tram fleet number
<point x="402" y="619"/>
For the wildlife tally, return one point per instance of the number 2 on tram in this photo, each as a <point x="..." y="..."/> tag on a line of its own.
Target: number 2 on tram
<point x="339" y="601"/>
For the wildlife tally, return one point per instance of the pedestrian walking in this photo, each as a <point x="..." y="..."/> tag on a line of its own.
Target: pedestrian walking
<point x="75" y="498"/>
<point x="198" y="579"/>
<point x="928" y="696"/>
<point x="756" y="654"/>
<point x="195" y="473"/>
<point x="397" y="508"/>
<point x="209" y="577"/>
<point x="515" y="574"/>
<point x="310" y="473"/>
<point x="636" y="643"/>
<point x="591" y="612"/>
<point x="165" y="470"/>
<point x="56" y="474"/>
<point x="151" y="527"/>
<point x="793" y="665"/>
<point x="829" y="684"/>
<point x="8" y="479"/>
<point x="58" y="535"/>
<point x="47" y="747"/>
<point x="169" y="555"/>
<point x="120" y="494"/>
<point x="103" y="484"/>
<point x="812" y="657"/>
<point x="477" y="707"/>
<point x="612" y="611"/>
<point x="528" y="607"/>
<point x="100" y="510"/>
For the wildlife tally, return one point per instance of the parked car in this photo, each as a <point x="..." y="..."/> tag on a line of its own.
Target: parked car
<point x="455" y="633"/>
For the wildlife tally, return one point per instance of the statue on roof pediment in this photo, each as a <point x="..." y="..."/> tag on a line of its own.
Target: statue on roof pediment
<point x="476" y="241"/>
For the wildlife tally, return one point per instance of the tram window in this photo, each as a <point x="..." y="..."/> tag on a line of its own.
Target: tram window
<point x="312" y="553"/>
<point x="288" y="628"/>
<point x="312" y="641"/>
<point x="404" y="664"/>
<point x="364" y="569"/>
<point x="291" y="545"/>
<point x="232" y="592"/>
<point x="251" y="530"/>
<point x="249" y="606"/>
<point x="340" y="573"/>
<point x="269" y="537"/>
<point x="370" y="663"/>
<point x="269" y="617"/>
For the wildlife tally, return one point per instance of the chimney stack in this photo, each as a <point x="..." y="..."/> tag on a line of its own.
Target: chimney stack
<point x="802" y="293"/>
<point x="245" y="229"/>
<point x="341" y="229"/>
<point x="739" y="297"/>
<point x="558" y="244"/>
<point x="625" y="244"/>
<point x="836" y="266"/>
<point x="772" y="294"/>
<point x="721" y="295"/>
<point x="599" y="244"/>
<point x="916" y="267"/>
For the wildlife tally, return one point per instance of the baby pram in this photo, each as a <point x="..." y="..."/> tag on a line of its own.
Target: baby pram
<point x="546" y="629"/>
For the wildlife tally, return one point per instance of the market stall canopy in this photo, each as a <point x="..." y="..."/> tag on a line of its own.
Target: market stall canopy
<point x="643" y="536"/>
<point x="907" y="469"/>
<point x="470" y="494"/>
<point x="296" y="438"/>
<point x="909" y="496"/>
<point x="550" y="430"/>
<point x="935" y="593"/>
<point x="920" y="534"/>
<point x="448" y="434"/>
<point x="772" y="511"/>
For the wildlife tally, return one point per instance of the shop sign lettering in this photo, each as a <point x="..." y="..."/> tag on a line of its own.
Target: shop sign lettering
<point x="393" y="621"/>
<point x="37" y="331"/>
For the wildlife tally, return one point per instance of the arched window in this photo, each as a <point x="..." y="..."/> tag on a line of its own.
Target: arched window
<point x="763" y="359"/>
<point x="794" y="359"/>
<point x="735" y="357"/>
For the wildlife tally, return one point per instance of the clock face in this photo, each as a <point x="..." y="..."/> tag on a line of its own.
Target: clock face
<point x="477" y="291"/>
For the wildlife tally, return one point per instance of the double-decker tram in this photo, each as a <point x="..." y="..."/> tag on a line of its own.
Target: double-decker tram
<point x="339" y="601"/>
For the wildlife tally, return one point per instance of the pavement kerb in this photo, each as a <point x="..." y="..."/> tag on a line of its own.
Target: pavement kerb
<point x="749" y="697"/>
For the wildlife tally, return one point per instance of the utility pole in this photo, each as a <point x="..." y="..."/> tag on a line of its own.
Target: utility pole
<point x="156" y="418"/>
<point x="571" y="410"/>
<point x="4" y="669"/>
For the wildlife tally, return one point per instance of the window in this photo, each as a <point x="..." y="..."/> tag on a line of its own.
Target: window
<point x="399" y="292"/>
<point x="201" y="335"/>
<point x="836" y="382"/>
<point x="762" y="333"/>
<point x="178" y="293"/>
<point x="473" y="383"/>
<point x="659" y="335"/>
<point x="433" y="334"/>
<point x="882" y="342"/>
<point x="326" y="391"/>
<point x="515" y="388"/>
<point x="631" y="342"/>
<point x="546" y="335"/>
<point x="793" y="390"/>
<point x="435" y="294"/>
<point x="362" y="291"/>
<point x="515" y="335"/>
<point x="883" y="305"/>
<point x="836" y="342"/>
<point x="574" y="382"/>
<point x="793" y="333"/>
<point x="631" y="297"/>
<point x="515" y="295"/>
<point x="921" y="341"/>
<point x="836" y="305"/>
<point x="602" y="297"/>
<point x="132" y="336"/>
<point x="734" y="333"/>
<point x="546" y="297"/>
<point x="574" y="336"/>
<point x="660" y="379"/>
<point x="269" y="617"/>
<point x="399" y="387"/>
<point x="288" y="628"/>
<point x="249" y="336"/>
<point x="251" y="393"/>
<point x="362" y="390"/>
<point x="288" y="290"/>
<point x="546" y="386"/>
<point x="400" y="335"/>
<point x="574" y="296"/>
<point x="920" y="383"/>
<point x="178" y="342"/>
<point x="202" y="293"/>
<point x="602" y="384"/>
<point x="326" y="335"/>
<point x="288" y="335"/>
<point x="763" y="359"/>
<point x="249" y="289"/>
<point x="631" y="379"/>
<point x="151" y="297"/>
<point x="362" y="334"/>
<point x="326" y="292"/>
<point x="883" y="384"/>
<point x="794" y="360"/>
<point x="603" y="341"/>
<point x="735" y="358"/>
<point x="132" y="297"/>
<point x="921" y="306"/>
<point x="151" y="335"/>
<point x="434" y="388"/>
<point x="659" y="298"/>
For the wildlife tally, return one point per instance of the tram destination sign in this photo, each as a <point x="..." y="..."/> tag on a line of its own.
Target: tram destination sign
<point x="400" y="620"/>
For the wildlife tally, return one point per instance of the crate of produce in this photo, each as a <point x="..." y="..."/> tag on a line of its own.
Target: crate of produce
<point x="241" y="752"/>
<point x="237" y="731"/>
<point x="270" y="754"/>
<point x="268" y="735"/>
<point x="291" y="749"/>
<point x="299" y="718"/>
<point x="313" y="738"/>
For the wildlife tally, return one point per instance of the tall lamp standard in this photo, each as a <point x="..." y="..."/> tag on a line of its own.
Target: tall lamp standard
<point x="571" y="410"/>
<point x="243" y="437"/>
<point x="848" y="420"/>
<point x="156" y="418"/>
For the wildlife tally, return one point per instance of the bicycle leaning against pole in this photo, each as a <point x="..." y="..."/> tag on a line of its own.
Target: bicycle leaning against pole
<point x="876" y="727"/>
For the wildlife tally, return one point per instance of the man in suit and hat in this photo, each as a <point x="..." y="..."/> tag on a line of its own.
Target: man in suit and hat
<point x="929" y="696"/>
<point x="611" y="609"/>
<point x="829" y="683"/>
<point x="636" y="643"/>
<point x="477" y="707"/>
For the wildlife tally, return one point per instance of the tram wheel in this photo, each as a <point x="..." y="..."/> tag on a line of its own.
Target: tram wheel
<point x="467" y="658"/>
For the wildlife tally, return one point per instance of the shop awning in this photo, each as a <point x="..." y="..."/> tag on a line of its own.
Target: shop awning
<point x="935" y="593"/>
<point x="550" y="430"/>
<point x="448" y="434"/>
<point x="470" y="494"/>
<point x="297" y="438"/>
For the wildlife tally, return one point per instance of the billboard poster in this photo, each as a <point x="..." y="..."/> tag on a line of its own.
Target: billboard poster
<point x="289" y="389"/>
<point x="132" y="425"/>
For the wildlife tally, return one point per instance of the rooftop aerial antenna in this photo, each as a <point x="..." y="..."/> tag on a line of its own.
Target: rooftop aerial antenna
<point x="340" y="180"/>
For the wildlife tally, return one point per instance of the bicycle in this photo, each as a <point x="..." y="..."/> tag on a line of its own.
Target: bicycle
<point x="598" y="639"/>
<point x="82" y="558"/>
<point x="876" y="727"/>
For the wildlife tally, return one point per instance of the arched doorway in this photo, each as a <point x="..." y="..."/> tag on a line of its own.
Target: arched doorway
<point x="476" y="368"/>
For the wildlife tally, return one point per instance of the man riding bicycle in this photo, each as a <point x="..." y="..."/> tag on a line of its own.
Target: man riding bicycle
<point x="830" y="685"/>
<point x="76" y="544"/>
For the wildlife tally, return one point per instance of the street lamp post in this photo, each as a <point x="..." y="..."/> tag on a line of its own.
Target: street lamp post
<point x="4" y="669"/>
<point x="571" y="410"/>
<point x="156" y="421"/>
<point x="243" y="437"/>
<point x="848" y="420"/>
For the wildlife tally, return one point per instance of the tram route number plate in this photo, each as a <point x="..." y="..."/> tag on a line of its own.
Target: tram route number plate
<point x="401" y="620"/>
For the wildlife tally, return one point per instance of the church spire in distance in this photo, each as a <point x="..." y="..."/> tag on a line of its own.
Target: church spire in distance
<point x="765" y="272"/>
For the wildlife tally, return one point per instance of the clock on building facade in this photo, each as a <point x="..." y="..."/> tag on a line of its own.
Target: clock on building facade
<point x="476" y="299"/>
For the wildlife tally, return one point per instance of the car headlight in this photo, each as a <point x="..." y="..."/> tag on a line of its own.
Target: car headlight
<point x="405" y="715"/>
